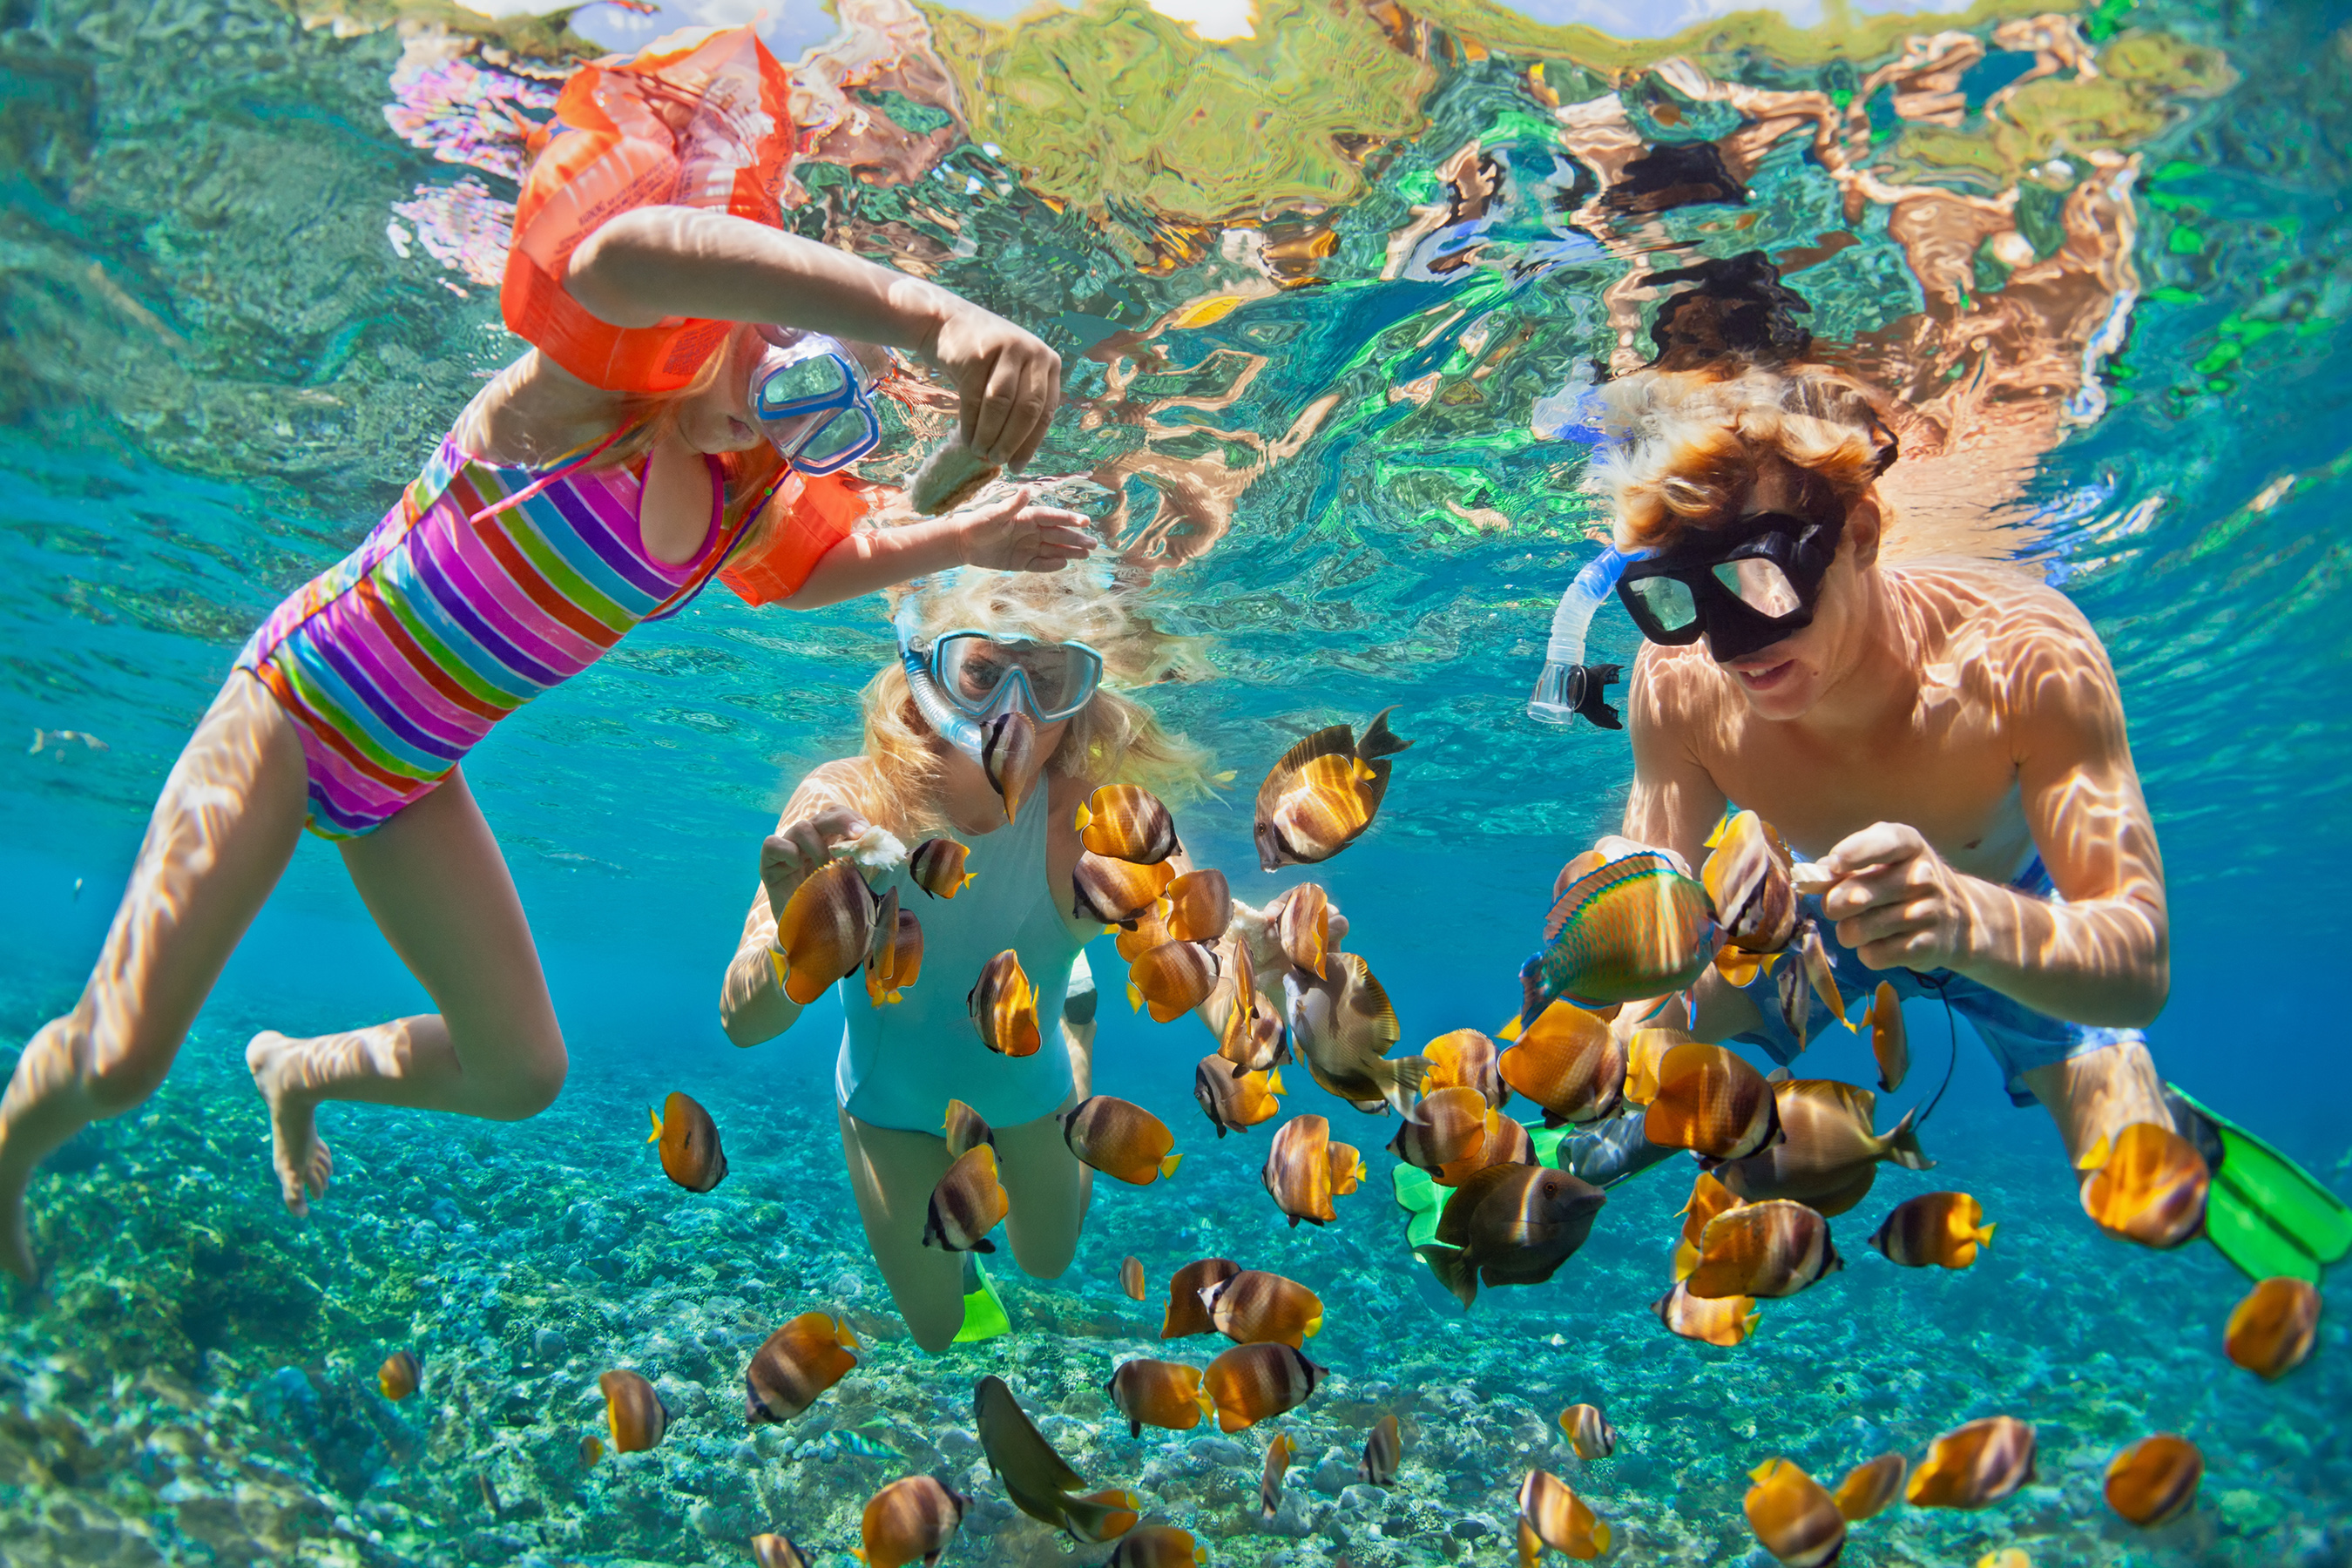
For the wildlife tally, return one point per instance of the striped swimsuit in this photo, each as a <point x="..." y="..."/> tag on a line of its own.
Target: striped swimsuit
<point x="395" y="662"/>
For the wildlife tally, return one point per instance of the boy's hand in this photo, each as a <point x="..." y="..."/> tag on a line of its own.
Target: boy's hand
<point x="1895" y="901"/>
<point x="1012" y="535"/>
<point x="1009" y="382"/>
<point x="792" y="856"/>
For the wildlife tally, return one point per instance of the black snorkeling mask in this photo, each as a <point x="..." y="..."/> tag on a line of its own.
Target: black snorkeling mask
<point x="1742" y="587"/>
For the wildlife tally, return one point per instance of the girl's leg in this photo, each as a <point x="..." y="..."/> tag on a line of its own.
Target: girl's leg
<point x="893" y="1172"/>
<point x="1048" y="1190"/>
<point x="438" y="887"/>
<point x="222" y="833"/>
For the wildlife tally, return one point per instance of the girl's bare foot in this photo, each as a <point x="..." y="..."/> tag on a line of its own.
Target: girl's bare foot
<point x="303" y="1163"/>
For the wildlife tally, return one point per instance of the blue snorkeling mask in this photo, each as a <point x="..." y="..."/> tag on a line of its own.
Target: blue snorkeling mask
<point x="812" y="400"/>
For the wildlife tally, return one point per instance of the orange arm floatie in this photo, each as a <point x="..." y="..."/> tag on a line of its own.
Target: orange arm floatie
<point x="825" y="511"/>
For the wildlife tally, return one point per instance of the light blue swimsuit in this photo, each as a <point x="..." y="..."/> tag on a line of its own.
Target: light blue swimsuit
<point x="901" y="1063"/>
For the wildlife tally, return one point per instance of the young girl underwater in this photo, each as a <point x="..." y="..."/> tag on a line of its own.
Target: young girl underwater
<point x="686" y="407"/>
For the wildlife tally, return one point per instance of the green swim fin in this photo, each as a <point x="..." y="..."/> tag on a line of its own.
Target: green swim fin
<point x="1423" y="1200"/>
<point x="2266" y="1214"/>
<point x="983" y="1311"/>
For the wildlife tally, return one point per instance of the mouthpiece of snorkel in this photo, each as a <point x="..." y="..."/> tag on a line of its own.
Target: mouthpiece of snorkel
<point x="1568" y="686"/>
<point x="953" y="725"/>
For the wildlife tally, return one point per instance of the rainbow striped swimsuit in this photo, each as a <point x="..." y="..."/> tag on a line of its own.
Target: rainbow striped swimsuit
<point x="396" y="660"/>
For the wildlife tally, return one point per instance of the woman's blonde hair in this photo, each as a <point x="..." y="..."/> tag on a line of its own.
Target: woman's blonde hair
<point x="1684" y="444"/>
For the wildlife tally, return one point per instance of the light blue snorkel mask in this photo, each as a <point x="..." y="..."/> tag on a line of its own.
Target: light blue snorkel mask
<point x="970" y="686"/>
<point x="812" y="400"/>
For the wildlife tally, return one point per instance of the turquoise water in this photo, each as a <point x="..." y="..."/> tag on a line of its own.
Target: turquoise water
<point x="220" y="361"/>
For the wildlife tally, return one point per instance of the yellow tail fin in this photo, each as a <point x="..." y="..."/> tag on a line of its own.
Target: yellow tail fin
<point x="2096" y="1155"/>
<point x="1168" y="1166"/>
<point x="1273" y="1081"/>
<point x="654" y="1136"/>
<point x="1600" y="1535"/>
<point x="1984" y="1236"/>
<point x="1085" y="816"/>
<point x="1510" y="1029"/>
<point x="1134" y="997"/>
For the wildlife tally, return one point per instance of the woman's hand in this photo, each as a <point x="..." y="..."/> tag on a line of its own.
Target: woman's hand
<point x="792" y="856"/>
<point x="1013" y="535"/>
<point x="1009" y="382"/>
<point x="1895" y="901"/>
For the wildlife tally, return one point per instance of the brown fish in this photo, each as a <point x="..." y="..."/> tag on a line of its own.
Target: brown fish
<point x="2146" y="1185"/>
<point x="1200" y="906"/>
<point x="1258" y="1307"/>
<point x="1343" y="1027"/>
<point x="592" y="1450"/>
<point x="2155" y="1481"/>
<point x="1795" y="1000"/>
<point x="1126" y="822"/>
<point x="1645" y="1053"/>
<point x="1820" y="977"/>
<point x="1772" y="1248"/>
<point x="797" y="1365"/>
<point x="399" y="1375"/>
<point x="1383" y="1452"/>
<point x="1793" y="1515"/>
<point x="1504" y="1143"/>
<point x="1347" y="1168"/>
<point x="914" y="1518"/>
<point x="1465" y="1058"/>
<point x="1234" y="1103"/>
<point x="1510" y="1225"/>
<point x="1117" y="893"/>
<point x="1710" y="1102"/>
<point x="634" y="1411"/>
<point x="1163" y="1393"/>
<point x="1159" y="1546"/>
<point x="2272" y="1330"/>
<point x="1278" y="1454"/>
<point x="778" y="1552"/>
<point x="1302" y="925"/>
<point x="1186" y="1314"/>
<point x="1036" y="1477"/>
<point x="1008" y="757"/>
<point x="1121" y="1139"/>
<point x="896" y="961"/>
<point x="825" y="928"/>
<point x="1720" y="1322"/>
<point x="1941" y="1230"/>
<point x="1130" y="1278"/>
<point x="1444" y="1127"/>
<point x="1298" y="1170"/>
<point x="1569" y="1063"/>
<point x="937" y="866"/>
<point x="1589" y="1432"/>
<point x="1102" y="1516"/>
<point x="1708" y="1198"/>
<point x="1555" y="1516"/>
<point x="1250" y="1383"/>
<point x="968" y="1202"/>
<point x="1324" y="792"/>
<point x="965" y="1130"/>
<point x="1171" y="979"/>
<point x="1889" y="1044"/>
<point x="690" y="1155"/>
<point x="1828" y="1154"/>
<point x="1249" y="1036"/>
<point x="1003" y="1007"/>
<point x="1869" y="1487"/>
<point x="1971" y="1465"/>
<point x="1746" y="880"/>
<point x="1148" y="932"/>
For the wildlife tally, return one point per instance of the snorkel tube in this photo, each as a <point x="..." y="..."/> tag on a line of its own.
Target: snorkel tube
<point x="951" y="724"/>
<point x="1567" y="684"/>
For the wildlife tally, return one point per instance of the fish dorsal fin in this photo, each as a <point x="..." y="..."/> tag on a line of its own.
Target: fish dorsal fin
<point x="1369" y="997"/>
<point x="1336" y="740"/>
<point x="1581" y="893"/>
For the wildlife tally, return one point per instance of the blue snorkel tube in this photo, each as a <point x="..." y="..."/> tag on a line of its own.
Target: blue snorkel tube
<point x="1568" y="686"/>
<point x="951" y="724"/>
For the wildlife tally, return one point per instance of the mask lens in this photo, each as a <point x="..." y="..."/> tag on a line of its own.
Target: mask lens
<point x="838" y="438"/>
<point x="819" y="377"/>
<point x="1668" y="601"/>
<point x="1761" y="585"/>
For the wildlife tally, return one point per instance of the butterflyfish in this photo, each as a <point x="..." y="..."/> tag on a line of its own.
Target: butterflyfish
<point x="896" y="961"/>
<point x="1035" y="1475"/>
<point x="1589" y="1432"/>
<point x="2271" y="1332"/>
<point x="795" y="1365"/>
<point x="1569" y="1063"/>
<point x="1772" y="1248"/>
<point x="1102" y="1516"/>
<point x="1465" y="1058"/>
<point x="1163" y="1393"/>
<point x="1115" y="892"/>
<point x="1793" y="1515"/>
<point x="1254" y="1307"/>
<point x="1746" y="880"/>
<point x="1250" y="1383"/>
<point x="1741" y="967"/>
<point x="1121" y="1140"/>
<point x="1829" y="1151"/>
<point x="1635" y="928"/>
<point x="909" y="1521"/>
<point x="690" y="1155"/>
<point x="1003" y="1007"/>
<point x="592" y="1450"/>
<point x="2007" y="1557"/>
<point x="1302" y="925"/>
<point x="1974" y="1464"/>
<point x="1503" y="1141"/>
<point x="965" y="1130"/>
<point x="825" y="931"/>
<point x="1645" y="1053"/>
<point x="1444" y="1127"/>
<point x="1298" y="1171"/>
<point x="1171" y="980"/>
<point x="1200" y="906"/>
<point x="1347" y="1166"/>
<point x="778" y="1552"/>
<point x="1869" y="1487"/>
<point x="1278" y="1454"/>
<point x="1126" y="822"/>
<point x="1383" y="1452"/>
<point x="1944" y="1230"/>
<point x="1148" y="932"/>
<point x="2147" y="1184"/>
<point x="2155" y="1481"/>
<point x="1796" y="1003"/>
<point x="1186" y="1313"/>
<point x="1711" y="1103"/>
<point x="398" y="1376"/>
<point x="1889" y="1045"/>
<point x="1159" y="1546"/>
<point x="1132" y="1281"/>
<point x="634" y="1412"/>
<point x="1343" y="1026"/>
<point x="1324" y="792"/>
<point x="1231" y="1103"/>
<point x="1821" y="978"/>
<point x="1726" y="1322"/>
<point x="1510" y="1225"/>
<point x="1008" y="757"/>
<point x="1708" y="1198"/>
<point x="1557" y="1518"/>
<point x="967" y="1204"/>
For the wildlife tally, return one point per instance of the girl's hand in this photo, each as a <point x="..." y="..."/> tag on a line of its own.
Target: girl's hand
<point x="1012" y="535"/>
<point x="1009" y="382"/>
<point x="1896" y="902"/>
<point x="792" y="856"/>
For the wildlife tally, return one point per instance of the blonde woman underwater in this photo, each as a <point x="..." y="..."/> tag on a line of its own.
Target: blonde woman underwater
<point x="986" y="642"/>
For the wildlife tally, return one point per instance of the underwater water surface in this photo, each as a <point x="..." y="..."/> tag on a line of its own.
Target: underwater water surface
<point x="1328" y="291"/>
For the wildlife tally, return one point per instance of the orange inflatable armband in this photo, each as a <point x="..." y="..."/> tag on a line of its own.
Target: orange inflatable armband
<point x="707" y="126"/>
<point x="822" y="509"/>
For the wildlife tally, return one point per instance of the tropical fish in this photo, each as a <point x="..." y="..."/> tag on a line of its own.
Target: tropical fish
<point x="1726" y="1322"/>
<point x="1298" y="1173"/>
<point x="1258" y="1307"/>
<point x="1172" y="979"/>
<point x="1569" y="1063"/>
<point x="1131" y="1280"/>
<point x="1796" y="1003"/>
<point x="1971" y="1465"/>
<point x="1589" y="1432"/>
<point x="2146" y="1185"/>
<point x="1159" y="1546"/>
<point x="913" y="1519"/>
<point x="1347" y="1168"/>
<point x="2007" y="1557"/>
<point x="1278" y="1454"/>
<point x="690" y="1155"/>
<point x="1502" y="1141"/>
<point x="1008" y="757"/>
<point x="1003" y="1007"/>
<point x="1772" y="1248"/>
<point x="968" y="1202"/>
<point x="1556" y="1517"/>
<point x="1889" y="1042"/>
<point x="1324" y="792"/>
<point x="825" y="928"/>
<point x="1187" y="1314"/>
<point x="1710" y="1102"/>
<point x="2272" y="1330"/>
<point x="1739" y="967"/>
<point x="1945" y="1229"/>
<point x="1302" y="924"/>
<point x="1635" y="928"/>
<point x="634" y="1411"/>
<point x="399" y="1375"/>
<point x="1343" y="1027"/>
<point x="1828" y="1154"/>
<point x="1148" y="932"/>
<point x="937" y="865"/>
<point x="1645" y="1053"/>
<point x="965" y="1130"/>
<point x="1250" y="1383"/>
<point x="1126" y="822"/>
<point x="1200" y="906"/>
<point x="1746" y="880"/>
<point x="1121" y="1139"/>
<point x="591" y="1449"/>
<point x="1465" y="1058"/>
<point x="1793" y="1515"/>
<point x="1234" y="1103"/>
<point x="778" y="1552"/>
<point x="2155" y="1481"/>
<point x="1869" y="1487"/>
<point x="1821" y="978"/>
<point x="1708" y="1198"/>
<point x="839" y="1444"/>
<point x="1383" y="1451"/>
<point x="897" y="960"/>
<point x="1102" y="1516"/>
<point x="1115" y="892"/>
<point x="1164" y="1393"/>
<point x="1510" y="1225"/>
<point x="1444" y="1127"/>
<point x="1036" y="1477"/>
<point x="795" y="1365"/>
